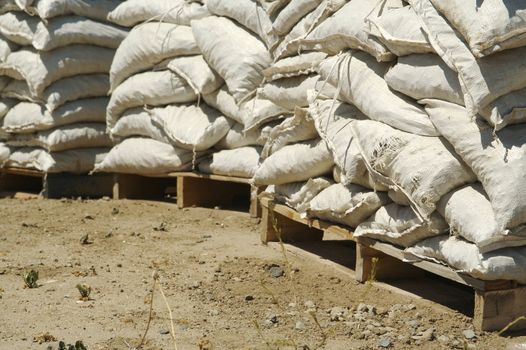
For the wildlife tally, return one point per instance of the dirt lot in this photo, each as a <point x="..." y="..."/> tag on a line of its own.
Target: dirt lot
<point x="225" y="289"/>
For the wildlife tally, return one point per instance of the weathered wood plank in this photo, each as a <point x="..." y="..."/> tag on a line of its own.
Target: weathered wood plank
<point x="495" y="310"/>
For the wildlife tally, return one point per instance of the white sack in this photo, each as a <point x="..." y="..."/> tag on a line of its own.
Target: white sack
<point x="293" y="12"/>
<point x="239" y="162"/>
<point x="257" y="112"/>
<point x="197" y="73"/>
<point x="97" y="10"/>
<point x="137" y="122"/>
<point x="302" y="64"/>
<point x="298" y="195"/>
<point x="18" y="27"/>
<point x="236" y="138"/>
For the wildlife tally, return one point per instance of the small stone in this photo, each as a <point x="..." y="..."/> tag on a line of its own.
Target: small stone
<point x="249" y="298"/>
<point x="115" y="211"/>
<point x="164" y="331"/>
<point x="413" y="323"/>
<point x="309" y="304"/>
<point x="300" y="326"/>
<point x="409" y="307"/>
<point x="469" y="334"/>
<point x="338" y="313"/>
<point x="367" y="309"/>
<point x="443" y="339"/>
<point x="273" y="319"/>
<point x="384" y="343"/>
<point x="213" y="312"/>
<point x="276" y="271"/>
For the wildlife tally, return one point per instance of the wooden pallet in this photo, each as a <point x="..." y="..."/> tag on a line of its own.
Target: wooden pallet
<point x="55" y="185"/>
<point x="497" y="303"/>
<point x="191" y="189"/>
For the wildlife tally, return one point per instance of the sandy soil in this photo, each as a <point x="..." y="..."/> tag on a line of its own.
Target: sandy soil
<point x="217" y="277"/>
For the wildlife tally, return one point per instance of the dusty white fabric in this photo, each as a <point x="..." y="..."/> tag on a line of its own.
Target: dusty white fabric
<point x="131" y="12"/>
<point x="482" y="81"/>
<point x="506" y="110"/>
<point x="155" y="159"/>
<point x="423" y="168"/>
<point x="236" y="138"/>
<point x="28" y="117"/>
<point x="223" y="101"/>
<point x="400" y="31"/>
<point x="290" y="44"/>
<point x="41" y="69"/>
<point x="71" y="161"/>
<point x="18" y="27"/>
<point x="191" y="127"/>
<point x="290" y="93"/>
<point x="469" y="214"/>
<point x="68" y="30"/>
<point x="236" y="54"/>
<point x="97" y="10"/>
<point x="148" y="44"/>
<point x="425" y="76"/>
<point x="197" y="73"/>
<point x="297" y="128"/>
<point x="503" y="264"/>
<point x="249" y="14"/>
<point x="72" y="136"/>
<point x="362" y="84"/>
<point x="333" y="123"/>
<point x="295" y="163"/>
<point x="239" y="162"/>
<point x="137" y="122"/>
<point x="488" y="26"/>
<point x="400" y="226"/>
<point x="292" y="13"/>
<point x="348" y="205"/>
<point x="499" y="162"/>
<point x="298" y="195"/>
<point x="151" y="89"/>
<point x="6" y="47"/>
<point x="301" y="64"/>
<point x="257" y="112"/>
<point x="5" y="105"/>
<point x="348" y="28"/>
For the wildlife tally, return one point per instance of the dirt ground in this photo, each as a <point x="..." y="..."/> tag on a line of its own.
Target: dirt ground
<point x="225" y="289"/>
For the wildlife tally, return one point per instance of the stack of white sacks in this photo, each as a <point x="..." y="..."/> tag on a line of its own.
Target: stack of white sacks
<point x="401" y="121"/>
<point x="55" y="83"/>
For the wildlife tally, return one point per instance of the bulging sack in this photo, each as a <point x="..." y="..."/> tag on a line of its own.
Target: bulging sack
<point x="392" y="157"/>
<point x="295" y="163"/>
<point x="137" y="122"/>
<point x="6" y="47"/>
<point x="75" y="161"/>
<point x="292" y="13"/>
<point x="237" y="55"/>
<point x="41" y="69"/>
<point x="298" y="195"/>
<point x="150" y="89"/>
<point x="224" y="102"/>
<point x="72" y="136"/>
<point x="236" y="138"/>
<point x="28" y="117"/>
<point x="239" y="162"/>
<point x="131" y="12"/>
<point x="332" y="120"/>
<point x="400" y="31"/>
<point x="469" y="214"/>
<point x="69" y="30"/>
<point x="97" y="10"/>
<point x="499" y="162"/>
<point x="503" y="264"/>
<point x="155" y="158"/>
<point x="18" y="27"/>
<point x="348" y="205"/>
<point x="347" y="29"/>
<point x="249" y="13"/>
<point x="425" y="76"/>
<point x="258" y="111"/>
<point x="147" y="45"/>
<point x="191" y="127"/>
<point x="361" y="81"/>
<point x="400" y="226"/>
<point x="197" y="73"/>
<point x="302" y="64"/>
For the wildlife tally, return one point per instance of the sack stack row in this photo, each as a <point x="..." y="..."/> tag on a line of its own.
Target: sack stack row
<point x="55" y="83"/>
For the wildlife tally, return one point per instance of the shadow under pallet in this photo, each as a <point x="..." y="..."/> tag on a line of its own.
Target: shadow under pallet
<point x="192" y="189"/>
<point x="55" y="185"/>
<point x="496" y="303"/>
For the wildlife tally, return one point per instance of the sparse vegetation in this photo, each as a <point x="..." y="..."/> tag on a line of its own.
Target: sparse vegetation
<point x="30" y="279"/>
<point x="85" y="291"/>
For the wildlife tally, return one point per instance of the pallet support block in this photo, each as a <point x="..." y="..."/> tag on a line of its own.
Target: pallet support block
<point x="372" y="265"/>
<point x="275" y="226"/>
<point x="208" y="193"/>
<point x="496" y="309"/>
<point x="129" y="186"/>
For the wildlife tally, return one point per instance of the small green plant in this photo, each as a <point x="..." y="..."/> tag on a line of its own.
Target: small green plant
<point x="30" y="279"/>
<point x="85" y="291"/>
<point x="374" y="265"/>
